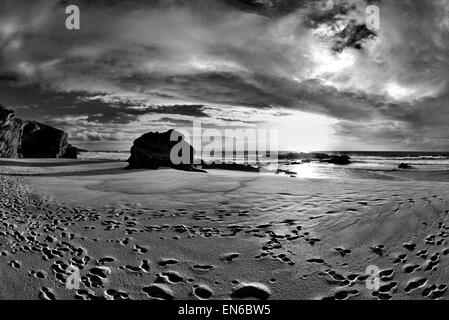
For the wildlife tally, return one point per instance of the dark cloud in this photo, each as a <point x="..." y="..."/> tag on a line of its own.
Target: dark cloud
<point x="187" y="110"/>
<point x="139" y="64"/>
<point x="353" y="36"/>
<point x="270" y="8"/>
<point x="393" y="135"/>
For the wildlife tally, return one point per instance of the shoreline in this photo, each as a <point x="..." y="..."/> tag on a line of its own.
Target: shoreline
<point x="86" y="167"/>
<point x="151" y="234"/>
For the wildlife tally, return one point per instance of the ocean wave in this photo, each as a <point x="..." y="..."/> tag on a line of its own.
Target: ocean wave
<point x="105" y="155"/>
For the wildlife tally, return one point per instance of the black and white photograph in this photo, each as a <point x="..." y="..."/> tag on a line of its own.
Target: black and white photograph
<point x="242" y="151"/>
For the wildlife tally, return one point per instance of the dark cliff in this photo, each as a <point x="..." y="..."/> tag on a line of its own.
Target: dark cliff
<point x="30" y="139"/>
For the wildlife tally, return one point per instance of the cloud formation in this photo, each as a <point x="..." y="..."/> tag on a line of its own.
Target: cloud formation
<point x="136" y="66"/>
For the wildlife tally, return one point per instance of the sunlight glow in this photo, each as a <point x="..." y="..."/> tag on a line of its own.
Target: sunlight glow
<point x="402" y="93"/>
<point x="303" y="131"/>
<point x="327" y="62"/>
<point x="398" y="92"/>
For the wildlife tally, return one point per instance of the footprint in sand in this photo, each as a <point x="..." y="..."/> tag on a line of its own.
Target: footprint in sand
<point x="316" y="260"/>
<point x="83" y="294"/>
<point x="386" y="275"/>
<point x="169" y="277"/>
<point x="401" y="258"/>
<point x="432" y="263"/>
<point x="105" y="260"/>
<point x="60" y="270"/>
<point x="50" y="239"/>
<point x="409" y="246"/>
<point x="252" y="290"/>
<point x="15" y="264"/>
<point x="335" y="278"/>
<point x="129" y="231"/>
<point x="312" y="241"/>
<point x="423" y="254"/>
<point x="202" y="267"/>
<point x="229" y="257"/>
<point x="342" y="295"/>
<point x="434" y="291"/>
<point x="202" y="292"/>
<point x="159" y="291"/>
<point x="140" y="249"/>
<point x="410" y="268"/>
<point x="167" y="262"/>
<point x="96" y="278"/>
<point x="353" y="277"/>
<point x="39" y="274"/>
<point x="112" y="294"/>
<point x="283" y="257"/>
<point x="101" y="272"/>
<point x="131" y="268"/>
<point x="378" y="249"/>
<point x="430" y="240"/>
<point x="47" y="294"/>
<point x="343" y="251"/>
<point x="388" y="288"/>
<point x="124" y="242"/>
<point x="144" y="267"/>
<point x="80" y="263"/>
<point x="415" y="284"/>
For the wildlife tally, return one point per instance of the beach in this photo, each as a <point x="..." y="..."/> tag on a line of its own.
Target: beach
<point x="168" y="234"/>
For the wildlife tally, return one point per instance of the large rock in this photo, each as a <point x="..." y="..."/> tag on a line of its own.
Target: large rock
<point x="303" y="156"/>
<point x="153" y="150"/>
<point x="403" y="165"/>
<point x="30" y="139"/>
<point x="338" y="159"/>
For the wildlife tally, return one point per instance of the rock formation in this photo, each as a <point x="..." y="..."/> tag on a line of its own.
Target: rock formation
<point x="153" y="150"/>
<point x="403" y="165"/>
<point x="230" y="166"/>
<point x="338" y="159"/>
<point x="30" y="139"/>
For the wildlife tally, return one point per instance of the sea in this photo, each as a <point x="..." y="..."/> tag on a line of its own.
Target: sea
<point x="389" y="160"/>
<point x="371" y="165"/>
<point x="364" y="164"/>
<point x="105" y="155"/>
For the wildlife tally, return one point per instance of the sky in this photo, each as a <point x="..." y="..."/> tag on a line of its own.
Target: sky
<point x="310" y="69"/>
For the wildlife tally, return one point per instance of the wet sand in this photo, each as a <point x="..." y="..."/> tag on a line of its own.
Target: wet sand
<point x="169" y="234"/>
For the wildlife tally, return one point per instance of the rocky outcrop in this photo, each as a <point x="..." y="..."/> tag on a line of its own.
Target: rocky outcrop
<point x="403" y="165"/>
<point x="230" y="166"/>
<point x="311" y="156"/>
<point x="30" y="139"/>
<point x="154" y="149"/>
<point x="338" y="159"/>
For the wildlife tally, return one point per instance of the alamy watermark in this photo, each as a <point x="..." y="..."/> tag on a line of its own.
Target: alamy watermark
<point x="373" y="280"/>
<point x="247" y="146"/>
<point x="372" y="18"/>
<point x="372" y="15"/>
<point x="73" y="21"/>
<point x="73" y="281"/>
